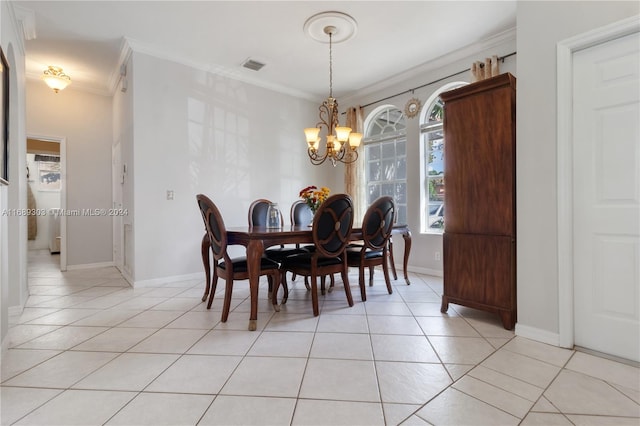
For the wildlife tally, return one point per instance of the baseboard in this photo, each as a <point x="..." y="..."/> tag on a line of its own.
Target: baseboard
<point x="4" y="346"/>
<point x="166" y="280"/>
<point x="425" y="271"/>
<point x="537" y="334"/>
<point x="89" y="266"/>
<point x="128" y="278"/>
<point x="15" y="310"/>
<point x="12" y="311"/>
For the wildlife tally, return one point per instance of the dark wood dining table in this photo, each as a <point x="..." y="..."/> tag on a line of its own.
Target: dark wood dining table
<point x="257" y="238"/>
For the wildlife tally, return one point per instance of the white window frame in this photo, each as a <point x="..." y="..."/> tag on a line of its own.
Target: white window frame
<point x="425" y="128"/>
<point x="395" y="137"/>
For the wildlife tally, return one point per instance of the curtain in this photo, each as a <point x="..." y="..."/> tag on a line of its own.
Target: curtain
<point x="354" y="172"/>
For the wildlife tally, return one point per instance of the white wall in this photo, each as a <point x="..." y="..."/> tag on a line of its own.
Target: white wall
<point x="13" y="229"/>
<point x="85" y="120"/>
<point x="425" y="245"/>
<point x="195" y="132"/>
<point x="540" y="26"/>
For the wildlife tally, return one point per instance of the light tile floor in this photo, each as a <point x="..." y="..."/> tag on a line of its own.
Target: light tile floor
<point x="90" y="350"/>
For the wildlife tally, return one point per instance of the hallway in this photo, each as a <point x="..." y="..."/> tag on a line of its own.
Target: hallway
<point x="88" y="349"/>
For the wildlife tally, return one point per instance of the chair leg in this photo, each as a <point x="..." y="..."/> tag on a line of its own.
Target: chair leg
<point x="347" y="288"/>
<point x="214" y="284"/>
<point x="314" y="296"/>
<point x="333" y="283"/>
<point x="322" y="286"/>
<point x="371" y="268"/>
<point x="274" y="293"/>
<point x="363" y="290"/>
<point x="385" y="269"/>
<point x="306" y="282"/>
<point x="270" y="281"/>
<point x="293" y="276"/>
<point x="226" y="307"/>
<point x="285" y="287"/>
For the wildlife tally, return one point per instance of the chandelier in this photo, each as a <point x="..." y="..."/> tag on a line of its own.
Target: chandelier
<point x="56" y="78"/>
<point x="341" y="143"/>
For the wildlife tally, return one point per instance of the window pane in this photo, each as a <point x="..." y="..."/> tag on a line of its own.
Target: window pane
<point x="402" y="215"/>
<point x="436" y="188"/>
<point x="389" y="168"/>
<point x="401" y="168"/>
<point x="388" y="150"/>
<point x="401" y="193"/>
<point x="437" y="112"/>
<point x="373" y="173"/>
<point x="373" y="152"/>
<point x="374" y="193"/>
<point x="387" y="189"/>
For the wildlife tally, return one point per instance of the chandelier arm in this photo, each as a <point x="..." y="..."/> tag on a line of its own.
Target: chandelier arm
<point x="316" y="159"/>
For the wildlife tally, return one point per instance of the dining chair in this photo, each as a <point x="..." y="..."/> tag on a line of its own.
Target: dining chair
<point x="302" y="215"/>
<point x="376" y="231"/>
<point x="225" y="267"/>
<point x="331" y="229"/>
<point x="258" y="217"/>
<point x="258" y="212"/>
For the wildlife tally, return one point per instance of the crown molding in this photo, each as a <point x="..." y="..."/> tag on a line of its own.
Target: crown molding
<point x="117" y="73"/>
<point x="434" y="64"/>
<point x="27" y="19"/>
<point x="132" y="45"/>
<point x="21" y="19"/>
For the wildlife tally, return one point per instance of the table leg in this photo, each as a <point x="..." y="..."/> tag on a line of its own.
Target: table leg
<point x="255" y="249"/>
<point x="407" y="250"/>
<point x="391" y="260"/>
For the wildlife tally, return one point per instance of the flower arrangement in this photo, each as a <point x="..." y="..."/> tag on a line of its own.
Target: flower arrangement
<point x="314" y="196"/>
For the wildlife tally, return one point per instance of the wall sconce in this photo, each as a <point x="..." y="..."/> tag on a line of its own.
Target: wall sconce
<point x="56" y="78"/>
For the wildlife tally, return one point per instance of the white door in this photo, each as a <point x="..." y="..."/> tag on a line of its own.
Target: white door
<point x="116" y="188"/>
<point x="606" y="197"/>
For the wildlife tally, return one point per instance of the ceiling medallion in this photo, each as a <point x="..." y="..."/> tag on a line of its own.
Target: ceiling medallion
<point x="344" y="27"/>
<point x="412" y="108"/>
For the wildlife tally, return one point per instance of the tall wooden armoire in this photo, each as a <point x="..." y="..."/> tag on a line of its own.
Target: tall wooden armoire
<point x="479" y="252"/>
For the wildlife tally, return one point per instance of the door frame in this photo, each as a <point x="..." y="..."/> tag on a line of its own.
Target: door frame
<point x="564" y="90"/>
<point x="63" y="192"/>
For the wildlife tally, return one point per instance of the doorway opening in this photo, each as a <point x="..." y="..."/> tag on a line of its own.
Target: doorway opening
<point x="46" y="224"/>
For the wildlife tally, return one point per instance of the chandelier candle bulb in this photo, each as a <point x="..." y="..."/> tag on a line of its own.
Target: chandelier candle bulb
<point x="312" y="134"/>
<point x="342" y="133"/>
<point x="355" y="139"/>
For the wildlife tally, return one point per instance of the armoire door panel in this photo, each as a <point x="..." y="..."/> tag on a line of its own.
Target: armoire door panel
<point x="480" y="194"/>
<point x="479" y="268"/>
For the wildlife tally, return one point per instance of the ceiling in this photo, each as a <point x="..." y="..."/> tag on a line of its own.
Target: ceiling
<point x="86" y="38"/>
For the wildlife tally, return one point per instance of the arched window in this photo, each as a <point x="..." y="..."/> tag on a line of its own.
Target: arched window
<point x="386" y="157"/>
<point x="432" y="162"/>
